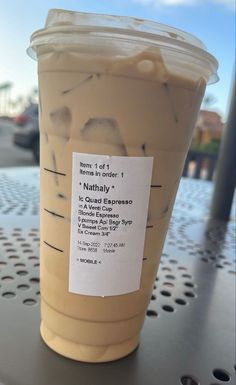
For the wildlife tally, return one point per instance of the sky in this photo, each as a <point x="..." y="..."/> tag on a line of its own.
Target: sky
<point x="213" y="21"/>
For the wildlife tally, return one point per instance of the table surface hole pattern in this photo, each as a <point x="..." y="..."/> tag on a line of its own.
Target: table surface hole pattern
<point x="193" y="285"/>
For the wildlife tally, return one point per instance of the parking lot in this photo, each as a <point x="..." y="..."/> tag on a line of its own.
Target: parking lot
<point x="10" y="155"/>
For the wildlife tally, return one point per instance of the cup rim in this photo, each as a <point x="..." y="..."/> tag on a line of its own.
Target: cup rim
<point x="61" y="25"/>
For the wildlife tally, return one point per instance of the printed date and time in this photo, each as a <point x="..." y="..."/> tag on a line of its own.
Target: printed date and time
<point x="94" y="247"/>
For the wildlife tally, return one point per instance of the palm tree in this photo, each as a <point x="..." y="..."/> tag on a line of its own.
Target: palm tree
<point x="208" y="101"/>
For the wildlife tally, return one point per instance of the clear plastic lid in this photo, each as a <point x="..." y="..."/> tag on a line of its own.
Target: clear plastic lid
<point x="64" y="27"/>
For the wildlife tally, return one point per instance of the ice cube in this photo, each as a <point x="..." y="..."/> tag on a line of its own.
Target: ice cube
<point x="101" y="129"/>
<point x="61" y="119"/>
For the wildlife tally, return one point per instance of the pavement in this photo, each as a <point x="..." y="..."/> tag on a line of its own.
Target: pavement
<point x="10" y="155"/>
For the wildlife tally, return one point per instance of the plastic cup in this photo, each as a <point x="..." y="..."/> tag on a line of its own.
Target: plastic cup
<point x="118" y="101"/>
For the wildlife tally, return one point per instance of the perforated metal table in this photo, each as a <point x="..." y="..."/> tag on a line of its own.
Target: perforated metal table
<point x="188" y="337"/>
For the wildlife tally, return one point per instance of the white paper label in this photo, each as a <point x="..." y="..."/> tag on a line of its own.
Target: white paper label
<point x="110" y="196"/>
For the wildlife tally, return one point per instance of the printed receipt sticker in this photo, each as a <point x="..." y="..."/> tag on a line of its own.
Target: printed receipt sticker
<point x="108" y="223"/>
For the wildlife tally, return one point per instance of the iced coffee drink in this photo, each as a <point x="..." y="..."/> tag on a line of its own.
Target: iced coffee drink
<point x="117" y="107"/>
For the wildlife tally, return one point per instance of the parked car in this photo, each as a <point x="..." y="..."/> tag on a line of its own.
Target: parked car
<point x="26" y="134"/>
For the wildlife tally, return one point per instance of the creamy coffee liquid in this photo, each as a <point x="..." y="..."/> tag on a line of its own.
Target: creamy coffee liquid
<point x="129" y="107"/>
